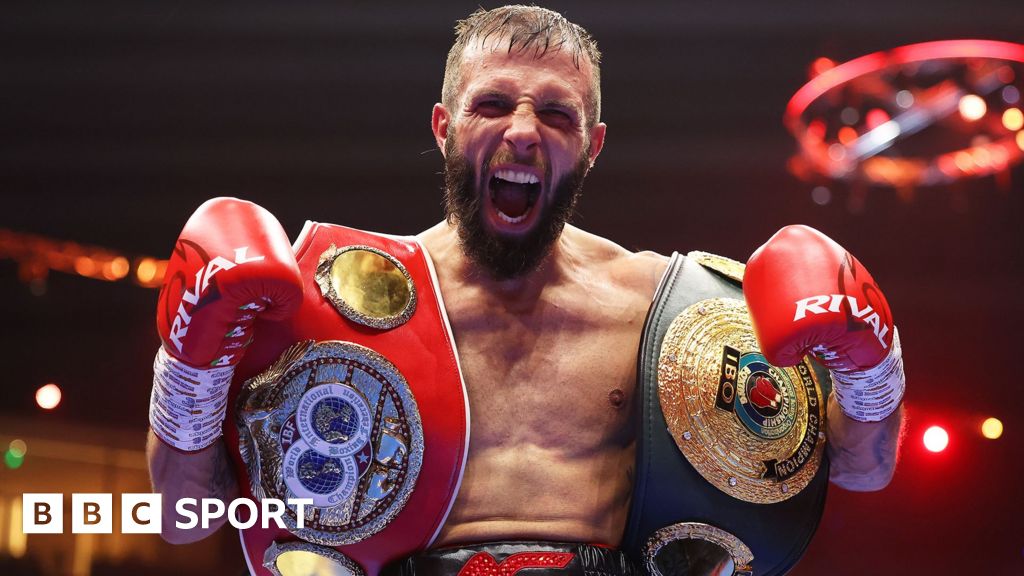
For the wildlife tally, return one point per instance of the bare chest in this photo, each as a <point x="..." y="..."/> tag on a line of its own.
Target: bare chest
<point x="556" y="378"/>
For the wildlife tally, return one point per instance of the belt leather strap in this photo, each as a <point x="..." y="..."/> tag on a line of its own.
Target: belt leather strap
<point x="668" y="489"/>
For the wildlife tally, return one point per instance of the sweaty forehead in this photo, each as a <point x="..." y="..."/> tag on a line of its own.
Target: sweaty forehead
<point x="552" y="75"/>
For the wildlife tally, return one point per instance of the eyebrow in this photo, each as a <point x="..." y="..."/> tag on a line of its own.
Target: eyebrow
<point x="551" y="103"/>
<point x="494" y="94"/>
<point x="565" y="104"/>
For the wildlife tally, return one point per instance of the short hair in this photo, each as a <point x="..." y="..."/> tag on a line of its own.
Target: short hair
<point x="524" y="28"/>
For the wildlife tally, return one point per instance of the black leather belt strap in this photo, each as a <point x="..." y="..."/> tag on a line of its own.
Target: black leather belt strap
<point x="508" y="558"/>
<point x="668" y="489"/>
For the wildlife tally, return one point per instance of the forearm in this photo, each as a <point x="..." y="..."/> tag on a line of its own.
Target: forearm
<point x="862" y="455"/>
<point x="203" y="474"/>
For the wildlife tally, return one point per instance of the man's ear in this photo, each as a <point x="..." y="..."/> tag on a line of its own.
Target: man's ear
<point x="596" y="141"/>
<point x="440" y="120"/>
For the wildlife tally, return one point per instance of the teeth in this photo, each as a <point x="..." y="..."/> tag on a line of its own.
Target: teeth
<point x="510" y="219"/>
<point x="517" y="177"/>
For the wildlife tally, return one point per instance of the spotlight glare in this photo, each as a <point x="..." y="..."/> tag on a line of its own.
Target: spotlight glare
<point x="972" y="107"/>
<point x="936" y="439"/>
<point x="48" y="397"/>
<point x="992" y="428"/>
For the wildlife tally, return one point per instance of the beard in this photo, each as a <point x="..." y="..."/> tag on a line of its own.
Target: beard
<point x="505" y="257"/>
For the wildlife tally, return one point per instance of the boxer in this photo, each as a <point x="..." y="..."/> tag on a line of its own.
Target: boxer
<point x="546" y="319"/>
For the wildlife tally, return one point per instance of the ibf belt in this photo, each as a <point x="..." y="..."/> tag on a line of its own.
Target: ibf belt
<point x="357" y="404"/>
<point x="731" y="450"/>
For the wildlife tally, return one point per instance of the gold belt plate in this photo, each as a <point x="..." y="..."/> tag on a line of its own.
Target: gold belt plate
<point x="753" y="430"/>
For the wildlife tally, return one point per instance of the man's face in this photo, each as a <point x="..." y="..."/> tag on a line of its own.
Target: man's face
<point x="517" y="149"/>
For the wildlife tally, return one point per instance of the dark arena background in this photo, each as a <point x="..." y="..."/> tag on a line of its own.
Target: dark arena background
<point x="118" y="118"/>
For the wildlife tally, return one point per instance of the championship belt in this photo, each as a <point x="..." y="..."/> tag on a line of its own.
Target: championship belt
<point x="357" y="404"/>
<point x="730" y="459"/>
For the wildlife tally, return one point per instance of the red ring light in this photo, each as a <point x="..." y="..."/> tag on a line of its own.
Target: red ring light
<point x="959" y="69"/>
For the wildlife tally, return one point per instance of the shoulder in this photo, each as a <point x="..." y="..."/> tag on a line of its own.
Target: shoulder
<point x="638" y="272"/>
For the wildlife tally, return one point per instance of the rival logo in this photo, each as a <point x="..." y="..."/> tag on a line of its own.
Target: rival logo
<point x="813" y="305"/>
<point x="203" y="276"/>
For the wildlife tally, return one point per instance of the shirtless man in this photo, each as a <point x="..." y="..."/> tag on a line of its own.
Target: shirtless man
<point x="547" y="318"/>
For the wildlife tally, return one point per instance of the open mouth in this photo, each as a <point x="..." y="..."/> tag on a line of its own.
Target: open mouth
<point x="513" y="194"/>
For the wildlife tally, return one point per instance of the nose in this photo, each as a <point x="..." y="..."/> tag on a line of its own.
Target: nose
<point x="523" y="133"/>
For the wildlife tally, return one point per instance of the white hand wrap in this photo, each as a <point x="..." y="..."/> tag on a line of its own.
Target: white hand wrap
<point x="187" y="407"/>
<point x="874" y="394"/>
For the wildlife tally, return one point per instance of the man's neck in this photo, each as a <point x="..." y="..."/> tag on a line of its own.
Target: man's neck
<point x="521" y="289"/>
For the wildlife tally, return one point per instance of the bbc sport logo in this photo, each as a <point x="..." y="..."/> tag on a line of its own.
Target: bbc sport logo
<point x="142" y="513"/>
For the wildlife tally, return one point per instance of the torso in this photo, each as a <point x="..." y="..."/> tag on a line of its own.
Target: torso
<point x="551" y="376"/>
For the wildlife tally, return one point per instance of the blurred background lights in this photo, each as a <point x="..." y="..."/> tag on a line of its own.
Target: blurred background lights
<point x="1020" y="140"/>
<point x="15" y="454"/>
<point x="822" y="65"/>
<point x="875" y="118"/>
<point x="992" y="428"/>
<point x="904" y="99"/>
<point x="12" y="461"/>
<point x="847" y="135"/>
<point x="1010" y="94"/>
<point x="19" y="448"/>
<point x="936" y="439"/>
<point x="821" y="195"/>
<point x="48" y="396"/>
<point x="1013" y="119"/>
<point x="972" y="107"/>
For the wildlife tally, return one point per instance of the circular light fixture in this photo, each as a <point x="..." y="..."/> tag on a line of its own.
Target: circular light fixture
<point x="921" y="110"/>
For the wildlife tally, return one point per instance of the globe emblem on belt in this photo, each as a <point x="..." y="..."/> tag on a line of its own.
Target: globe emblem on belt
<point x="324" y="479"/>
<point x="334" y="419"/>
<point x="765" y="397"/>
<point x="334" y="424"/>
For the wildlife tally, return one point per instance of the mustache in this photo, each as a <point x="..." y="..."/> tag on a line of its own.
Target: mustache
<point x="503" y="257"/>
<point x="506" y="156"/>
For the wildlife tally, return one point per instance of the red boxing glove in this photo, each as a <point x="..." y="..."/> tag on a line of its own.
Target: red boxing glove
<point x="232" y="261"/>
<point x="808" y="294"/>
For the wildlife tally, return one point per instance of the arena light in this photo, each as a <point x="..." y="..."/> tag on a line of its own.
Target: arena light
<point x="48" y="396"/>
<point x="890" y="96"/>
<point x="1013" y="119"/>
<point x="972" y="107"/>
<point x="936" y="439"/>
<point x="12" y="460"/>
<point x="992" y="428"/>
<point x="18" y="447"/>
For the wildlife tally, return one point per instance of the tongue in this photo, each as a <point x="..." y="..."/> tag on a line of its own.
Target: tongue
<point x="512" y="199"/>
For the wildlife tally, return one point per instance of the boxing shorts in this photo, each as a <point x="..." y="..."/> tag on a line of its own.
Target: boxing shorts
<point x="507" y="558"/>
